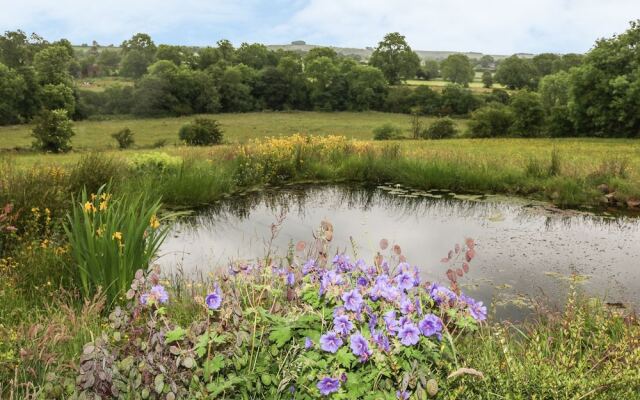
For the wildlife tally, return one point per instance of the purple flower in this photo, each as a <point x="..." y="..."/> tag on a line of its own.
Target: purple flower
<point x="342" y="325"/>
<point x="477" y="310"/>
<point x="381" y="340"/>
<point x="360" y="346"/>
<point x="291" y="279"/>
<point x="157" y="294"/>
<point x="390" y="321"/>
<point x="352" y="300"/>
<point x="362" y="281"/>
<point x="404" y="281"/>
<point x="330" y="342"/>
<point x="431" y="325"/>
<point x="342" y="262"/>
<point x="214" y="299"/>
<point x="407" y="306"/>
<point x="328" y="385"/>
<point x="308" y="343"/>
<point x="309" y="266"/>
<point x="409" y="334"/>
<point x="402" y="395"/>
<point x="441" y="294"/>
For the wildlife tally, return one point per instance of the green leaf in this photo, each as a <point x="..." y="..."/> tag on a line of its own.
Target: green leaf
<point x="345" y="357"/>
<point x="280" y="335"/>
<point x="212" y="366"/>
<point x="175" y="335"/>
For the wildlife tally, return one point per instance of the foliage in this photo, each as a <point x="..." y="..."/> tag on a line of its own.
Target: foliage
<point x="154" y="163"/>
<point x="457" y="68"/>
<point x="394" y="57"/>
<point x="124" y="137"/>
<point x="528" y="114"/>
<point x="487" y="79"/>
<point x="458" y="100"/>
<point x="53" y="131"/>
<point x="516" y="73"/>
<point x="387" y="132"/>
<point x="12" y="91"/>
<point x="201" y="132"/>
<point x="111" y="238"/>
<point x="442" y="128"/>
<point x="493" y="120"/>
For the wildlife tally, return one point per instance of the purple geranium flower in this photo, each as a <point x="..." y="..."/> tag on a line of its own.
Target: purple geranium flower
<point x="352" y="300"/>
<point x="407" y="306"/>
<point x="328" y="385"/>
<point x="381" y="340"/>
<point x="308" y="343"/>
<point x="157" y="294"/>
<point x="309" y="266"/>
<point x="477" y="310"/>
<point x="431" y="325"/>
<point x="291" y="279"/>
<point x="402" y="395"/>
<point x="360" y="346"/>
<point x="390" y="321"/>
<point x="330" y="342"/>
<point x="404" y="281"/>
<point x="214" y="299"/>
<point x="342" y="325"/>
<point x="441" y="294"/>
<point x="409" y="334"/>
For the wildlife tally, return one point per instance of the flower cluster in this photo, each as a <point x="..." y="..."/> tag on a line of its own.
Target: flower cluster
<point x="379" y="309"/>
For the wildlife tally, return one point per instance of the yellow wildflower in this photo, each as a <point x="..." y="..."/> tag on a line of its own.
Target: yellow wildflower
<point x="103" y="205"/>
<point x="88" y="206"/>
<point x="117" y="236"/>
<point x="154" y="222"/>
<point x="100" y="231"/>
<point x="93" y="196"/>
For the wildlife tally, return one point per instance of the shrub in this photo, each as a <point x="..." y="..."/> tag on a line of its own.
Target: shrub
<point x="491" y="121"/>
<point x="201" y="132"/>
<point x="93" y="171"/>
<point x="124" y="137"/>
<point x="111" y="238"/>
<point x="387" y="132"/>
<point x="528" y="114"/>
<point x="53" y="131"/>
<point x="154" y="162"/>
<point x="159" y="143"/>
<point x="442" y="128"/>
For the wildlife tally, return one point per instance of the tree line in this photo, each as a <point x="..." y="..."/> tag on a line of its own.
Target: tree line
<point x="592" y="95"/>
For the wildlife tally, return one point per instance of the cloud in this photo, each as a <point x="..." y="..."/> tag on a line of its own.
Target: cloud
<point x="491" y="26"/>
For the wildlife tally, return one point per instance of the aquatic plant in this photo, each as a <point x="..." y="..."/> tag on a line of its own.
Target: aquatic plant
<point x="111" y="238"/>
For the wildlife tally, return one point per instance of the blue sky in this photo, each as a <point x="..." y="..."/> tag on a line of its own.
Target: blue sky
<point x="490" y="26"/>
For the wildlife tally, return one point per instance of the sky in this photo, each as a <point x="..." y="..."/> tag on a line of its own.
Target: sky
<point x="490" y="26"/>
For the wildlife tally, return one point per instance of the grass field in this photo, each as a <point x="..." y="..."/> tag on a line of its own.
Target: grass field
<point x="100" y="84"/>
<point x="96" y="135"/>
<point x="439" y="84"/>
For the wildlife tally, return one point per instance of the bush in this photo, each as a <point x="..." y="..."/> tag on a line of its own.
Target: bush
<point x="201" y="132"/>
<point x="124" y="137"/>
<point x="491" y="121"/>
<point x="53" y="131"/>
<point x="387" y="132"/>
<point x="528" y="115"/>
<point x="154" y="162"/>
<point x="442" y="128"/>
<point x="93" y="171"/>
<point x="111" y="238"/>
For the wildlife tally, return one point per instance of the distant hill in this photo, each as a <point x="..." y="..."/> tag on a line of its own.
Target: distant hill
<point x="366" y="52"/>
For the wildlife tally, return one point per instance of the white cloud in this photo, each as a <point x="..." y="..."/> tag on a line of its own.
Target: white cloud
<point x="496" y="26"/>
<point x="493" y="26"/>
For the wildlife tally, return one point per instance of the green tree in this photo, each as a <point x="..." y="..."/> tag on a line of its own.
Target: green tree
<point x="528" y="115"/>
<point x="53" y="131"/>
<point x="134" y="64"/>
<point x="426" y="100"/>
<point x="235" y="87"/>
<point x="486" y="61"/>
<point x="201" y="132"/>
<point x="17" y="49"/>
<point x="430" y="70"/>
<point x="12" y="92"/>
<point x="322" y="76"/>
<point x="516" y="73"/>
<point x="487" y="79"/>
<point x="318" y="52"/>
<point x="290" y="67"/>
<point x="60" y="96"/>
<point x="395" y="59"/>
<point x="555" y="94"/>
<point x="141" y="42"/>
<point x="256" y="56"/>
<point x="545" y="63"/>
<point x="458" y="100"/>
<point x="605" y="90"/>
<point x="457" y="68"/>
<point x="52" y="65"/>
<point x="108" y="61"/>
<point x="226" y="51"/>
<point x="207" y="57"/>
<point x="493" y="120"/>
<point x="367" y="88"/>
<point x="568" y="61"/>
<point x="175" y="54"/>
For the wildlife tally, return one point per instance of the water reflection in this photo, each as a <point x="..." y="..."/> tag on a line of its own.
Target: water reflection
<point x="525" y="249"/>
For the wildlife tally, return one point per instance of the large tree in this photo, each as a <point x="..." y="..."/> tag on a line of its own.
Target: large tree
<point x="457" y="68"/>
<point x="517" y="73"/>
<point x="395" y="59"/>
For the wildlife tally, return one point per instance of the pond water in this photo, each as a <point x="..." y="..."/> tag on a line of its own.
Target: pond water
<point x="526" y="251"/>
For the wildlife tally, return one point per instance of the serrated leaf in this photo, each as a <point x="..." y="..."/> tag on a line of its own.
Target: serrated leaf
<point x="345" y="357"/>
<point x="175" y="335"/>
<point x="280" y="335"/>
<point x="212" y="366"/>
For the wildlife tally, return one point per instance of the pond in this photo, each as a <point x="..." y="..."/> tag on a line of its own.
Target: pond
<point x="526" y="251"/>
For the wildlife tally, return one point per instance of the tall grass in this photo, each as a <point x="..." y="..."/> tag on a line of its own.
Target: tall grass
<point x="111" y="238"/>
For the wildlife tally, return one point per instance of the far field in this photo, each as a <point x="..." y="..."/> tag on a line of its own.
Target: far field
<point x="96" y="135"/>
